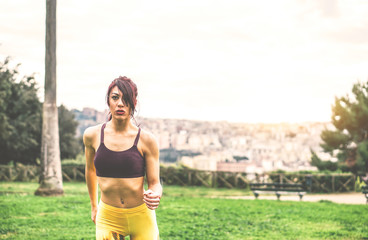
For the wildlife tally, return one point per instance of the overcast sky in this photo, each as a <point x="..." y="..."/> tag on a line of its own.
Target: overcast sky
<point x="234" y="60"/>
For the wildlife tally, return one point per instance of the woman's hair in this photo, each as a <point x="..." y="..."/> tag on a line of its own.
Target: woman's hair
<point x="129" y="90"/>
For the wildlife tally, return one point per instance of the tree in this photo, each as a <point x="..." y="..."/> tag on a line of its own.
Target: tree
<point x="323" y="165"/>
<point x="349" y="141"/>
<point x="20" y="117"/>
<point x="69" y="144"/>
<point x="51" y="181"/>
<point x="21" y="120"/>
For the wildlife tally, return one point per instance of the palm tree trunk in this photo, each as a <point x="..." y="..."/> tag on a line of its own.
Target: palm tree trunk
<point x="51" y="182"/>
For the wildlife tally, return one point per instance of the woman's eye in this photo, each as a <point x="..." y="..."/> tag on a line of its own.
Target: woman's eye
<point x="115" y="97"/>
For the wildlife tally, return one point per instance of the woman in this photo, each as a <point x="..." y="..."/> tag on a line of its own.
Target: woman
<point x="118" y="155"/>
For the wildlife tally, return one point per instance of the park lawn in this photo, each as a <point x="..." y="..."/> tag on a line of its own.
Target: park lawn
<point x="184" y="213"/>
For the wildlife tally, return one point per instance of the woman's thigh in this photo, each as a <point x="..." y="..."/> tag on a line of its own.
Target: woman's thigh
<point x="143" y="226"/>
<point x="106" y="234"/>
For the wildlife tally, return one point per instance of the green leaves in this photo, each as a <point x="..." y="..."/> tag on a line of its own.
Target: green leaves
<point x="334" y="140"/>
<point x="350" y="118"/>
<point x="21" y="120"/>
<point x="69" y="145"/>
<point x="20" y="116"/>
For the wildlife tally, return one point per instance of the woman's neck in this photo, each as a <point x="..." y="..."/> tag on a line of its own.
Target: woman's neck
<point x="120" y="125"/>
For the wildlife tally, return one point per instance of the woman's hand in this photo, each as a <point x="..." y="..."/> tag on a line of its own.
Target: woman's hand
<point x="151" y="199"/>
<point x="93" y="214"/>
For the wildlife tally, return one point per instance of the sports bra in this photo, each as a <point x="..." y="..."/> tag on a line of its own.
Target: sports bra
<point x="119" y="164"/>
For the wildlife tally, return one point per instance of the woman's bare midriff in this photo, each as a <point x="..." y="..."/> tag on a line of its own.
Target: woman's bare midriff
<point x="121" y="192"/>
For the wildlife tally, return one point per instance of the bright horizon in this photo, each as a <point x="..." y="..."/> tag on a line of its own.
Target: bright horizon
<point x="238" y="61"/>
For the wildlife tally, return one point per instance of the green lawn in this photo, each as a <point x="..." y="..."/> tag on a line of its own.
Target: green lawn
<point x="184" y="213"/>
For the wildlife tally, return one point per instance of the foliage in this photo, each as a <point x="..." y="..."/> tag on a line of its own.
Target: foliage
<point x="20" y="117"/>
<point x="349" y="141"/>
<point x="180" y="217"/>
<point x="21" y="120"/>
<point x="69" y="145"/>
<point x="171" y="155"/>
<point x="79" y="160"/>
<point x="323" y="165"/>
<point x="240" y="158"/>
<point x="359" y="184"/>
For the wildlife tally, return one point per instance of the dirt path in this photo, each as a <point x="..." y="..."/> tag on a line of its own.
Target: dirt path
<point x="346" y="198"/>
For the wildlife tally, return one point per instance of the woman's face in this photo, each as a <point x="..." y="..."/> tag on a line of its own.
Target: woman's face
<point x="118" y="108"/>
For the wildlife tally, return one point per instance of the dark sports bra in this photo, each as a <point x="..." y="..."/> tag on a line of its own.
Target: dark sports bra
<point x="119" y="164"/>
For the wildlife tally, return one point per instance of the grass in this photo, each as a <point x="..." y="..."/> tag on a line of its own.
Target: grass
<point x="184" y="213"/>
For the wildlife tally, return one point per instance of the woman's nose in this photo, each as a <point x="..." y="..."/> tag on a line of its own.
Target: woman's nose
<point x="121" y="102"/>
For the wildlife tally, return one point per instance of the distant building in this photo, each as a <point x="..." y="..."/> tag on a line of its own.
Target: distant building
<point x="232" y="166"/>
<point x="217" y="146"/>
<point x="242" y="166"/>
<point x="88" y="117"/>
<point x="89" y="112"/>
<point x="101" y="117"/>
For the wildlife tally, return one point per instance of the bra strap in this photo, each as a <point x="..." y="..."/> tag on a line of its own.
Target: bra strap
<point x="137" y="137"/>
<point x="102" y="133"/>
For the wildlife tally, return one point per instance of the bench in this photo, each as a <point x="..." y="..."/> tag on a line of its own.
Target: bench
<point x="365" y="192"/>
<point x="278" y="189"/>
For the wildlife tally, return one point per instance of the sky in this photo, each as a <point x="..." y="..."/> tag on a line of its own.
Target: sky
<point x="234" y="60"/>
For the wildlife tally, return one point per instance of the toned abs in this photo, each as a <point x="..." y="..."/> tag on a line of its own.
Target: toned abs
<point x="121" y="192"/>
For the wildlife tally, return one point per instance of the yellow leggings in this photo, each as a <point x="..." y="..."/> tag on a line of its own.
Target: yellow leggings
<point x="114" y="223"/>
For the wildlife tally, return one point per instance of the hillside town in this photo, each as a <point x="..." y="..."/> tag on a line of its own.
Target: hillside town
<point x="225" y="146"/>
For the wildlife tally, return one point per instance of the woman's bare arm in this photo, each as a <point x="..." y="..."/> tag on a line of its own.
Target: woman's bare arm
<point x="151" y="153"/>
<point x="90" y="171"/>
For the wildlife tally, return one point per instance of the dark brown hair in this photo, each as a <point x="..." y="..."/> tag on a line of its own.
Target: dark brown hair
<point x="129" y="90"/>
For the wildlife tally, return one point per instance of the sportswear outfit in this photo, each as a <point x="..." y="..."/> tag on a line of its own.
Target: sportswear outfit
<point x="113" y="223"/>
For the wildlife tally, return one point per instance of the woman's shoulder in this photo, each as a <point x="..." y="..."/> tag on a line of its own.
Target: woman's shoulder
<point x="92" y="132"/>
<point x="149" y="142"/>
<point x="147" y="137"/>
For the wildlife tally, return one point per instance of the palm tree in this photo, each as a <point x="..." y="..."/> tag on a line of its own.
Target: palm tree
<point x="51" y="182"/>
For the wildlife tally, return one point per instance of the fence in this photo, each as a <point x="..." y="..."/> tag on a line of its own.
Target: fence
<point x="321" y="183"/>
<point x="30" y="173"/>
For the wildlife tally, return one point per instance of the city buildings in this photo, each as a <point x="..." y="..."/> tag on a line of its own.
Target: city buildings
<point x="224" y="146"/>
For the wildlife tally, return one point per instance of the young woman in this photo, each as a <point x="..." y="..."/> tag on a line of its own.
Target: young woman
<point x="118" y="155"/>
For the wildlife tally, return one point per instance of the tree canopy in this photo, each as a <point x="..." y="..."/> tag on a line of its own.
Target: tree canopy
<point x="20" y="116"/>
<point x="348" y="142"/>
<point x="21" y="120"/>
<point x="69" y="144"/>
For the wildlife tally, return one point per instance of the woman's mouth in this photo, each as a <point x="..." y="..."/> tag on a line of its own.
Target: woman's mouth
<point x="120" y="112"/>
